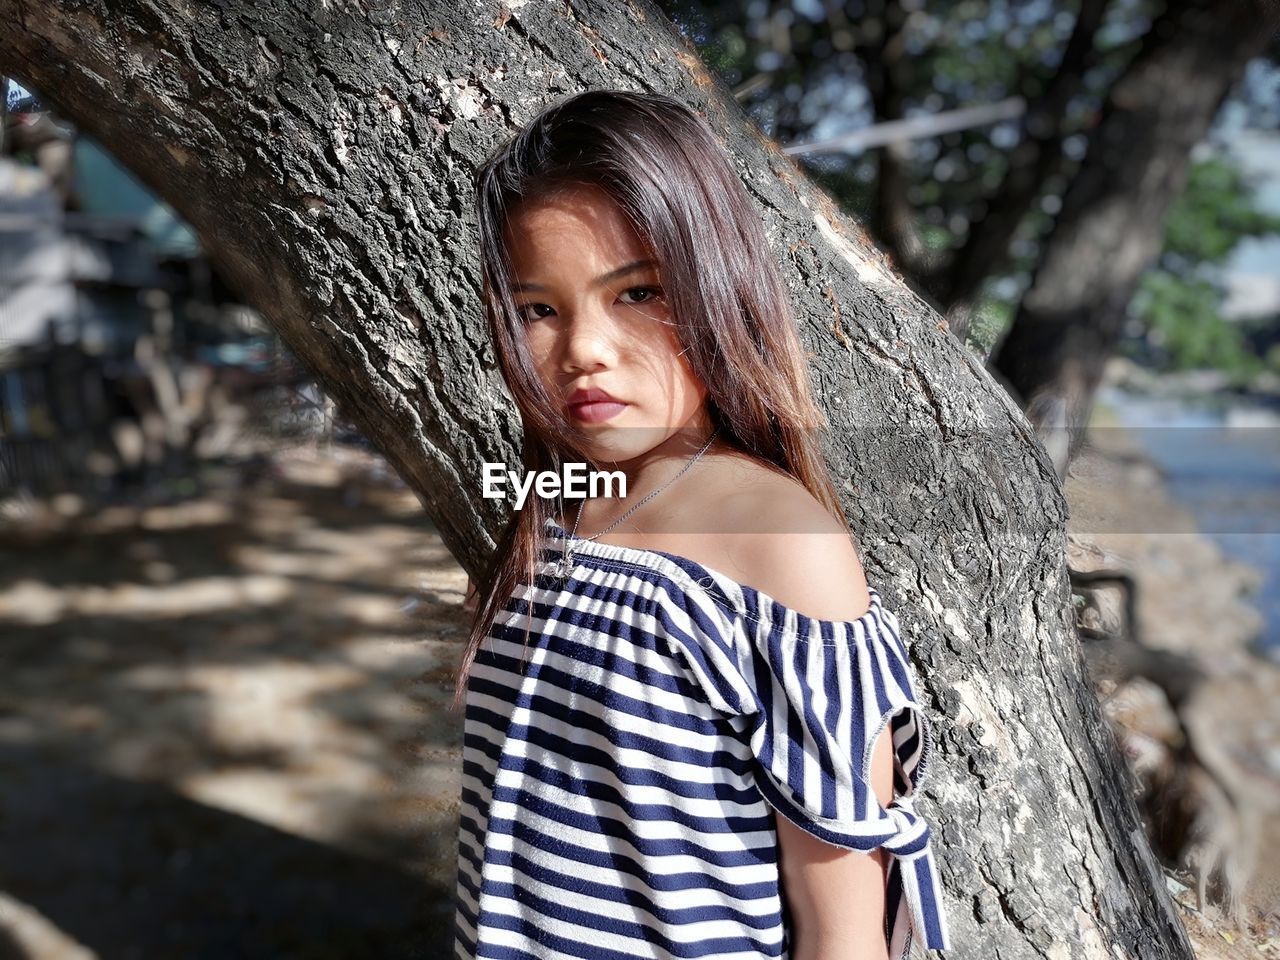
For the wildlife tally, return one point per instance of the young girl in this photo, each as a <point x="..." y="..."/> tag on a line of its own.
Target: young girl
<point x="673" y="699"/>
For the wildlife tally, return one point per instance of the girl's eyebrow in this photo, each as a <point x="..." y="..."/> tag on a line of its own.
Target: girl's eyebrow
<point x="615" y="274"/>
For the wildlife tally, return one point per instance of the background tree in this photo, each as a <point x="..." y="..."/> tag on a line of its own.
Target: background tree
<point x="324" y="158"/>
<point x="1179" y="298"/>
<point x="969" y="216"/>
<point x="1112" y="220"/>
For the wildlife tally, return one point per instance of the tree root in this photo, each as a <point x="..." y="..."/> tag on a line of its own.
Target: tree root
<point x="1201" y="814"/>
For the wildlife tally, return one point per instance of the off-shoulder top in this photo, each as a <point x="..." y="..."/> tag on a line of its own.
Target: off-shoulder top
<point x="622" y="770"/>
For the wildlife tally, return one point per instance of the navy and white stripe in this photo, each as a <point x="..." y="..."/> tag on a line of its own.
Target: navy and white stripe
<point x="621" y="773"/>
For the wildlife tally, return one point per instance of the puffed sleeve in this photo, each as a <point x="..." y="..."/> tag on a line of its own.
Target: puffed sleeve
<point x="819" y="692"/>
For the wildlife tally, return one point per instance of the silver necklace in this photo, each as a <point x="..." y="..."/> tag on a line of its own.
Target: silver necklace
<point x="565" y="565"/>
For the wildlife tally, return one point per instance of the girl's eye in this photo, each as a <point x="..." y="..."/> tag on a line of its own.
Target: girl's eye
<point x="524" y="312"/>
<point x="528" y="312"/>
<point x="651" y="292"/>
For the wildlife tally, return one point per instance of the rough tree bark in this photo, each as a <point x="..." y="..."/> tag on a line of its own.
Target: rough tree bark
<point x="322" y="152"/>
<point x="1111" y="225"/>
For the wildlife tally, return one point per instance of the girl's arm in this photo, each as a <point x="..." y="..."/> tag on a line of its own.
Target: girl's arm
<point x="837" y="896"/>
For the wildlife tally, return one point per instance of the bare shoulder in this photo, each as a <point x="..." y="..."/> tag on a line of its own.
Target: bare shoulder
<point x="781" y="540"/>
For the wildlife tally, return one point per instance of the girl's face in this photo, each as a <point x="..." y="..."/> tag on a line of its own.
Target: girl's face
<point x="597" y="319"/>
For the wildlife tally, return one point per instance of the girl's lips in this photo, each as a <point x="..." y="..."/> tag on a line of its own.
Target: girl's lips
<point x="596" y="411"/>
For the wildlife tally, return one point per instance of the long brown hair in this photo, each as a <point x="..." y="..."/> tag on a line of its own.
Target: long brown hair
<point x="661" y="163"/>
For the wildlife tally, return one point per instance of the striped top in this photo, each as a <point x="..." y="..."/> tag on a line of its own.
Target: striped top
<point x="620" y="774"/>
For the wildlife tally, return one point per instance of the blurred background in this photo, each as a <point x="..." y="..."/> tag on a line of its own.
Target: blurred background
<point x="228" y="633"/>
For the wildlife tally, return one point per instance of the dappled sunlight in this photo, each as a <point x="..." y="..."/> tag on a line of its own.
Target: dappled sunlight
<point x="32" y="602"/>
<point x="286" y="661"/>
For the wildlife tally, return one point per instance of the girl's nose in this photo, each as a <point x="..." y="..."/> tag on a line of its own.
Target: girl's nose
<point x="589" y="341"/>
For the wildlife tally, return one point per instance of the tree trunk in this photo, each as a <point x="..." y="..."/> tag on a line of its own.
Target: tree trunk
<point x="323" y="154"/>
<point x="1111" y="226"/>
<point x="1037" y="156"/>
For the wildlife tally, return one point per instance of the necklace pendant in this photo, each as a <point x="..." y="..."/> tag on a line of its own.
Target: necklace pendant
<point x="564" y="566"/>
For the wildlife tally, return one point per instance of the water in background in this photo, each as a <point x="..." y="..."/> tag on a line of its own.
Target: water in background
<point x="1222" y="462"/>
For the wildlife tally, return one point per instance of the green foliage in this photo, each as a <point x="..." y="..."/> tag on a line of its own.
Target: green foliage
<point x="935" y="238"/>
<point x="729" y="53"/>
<point x="1214" y="213"/>
<point x="991" y="318"/>
<point x="1272" y="359"/>
<point x="1179" y="306"/>
<point x="1184" y="325"/>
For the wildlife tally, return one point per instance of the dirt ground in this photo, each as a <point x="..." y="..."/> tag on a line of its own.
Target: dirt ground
<point x="224" y="726"/>
<point x="223" y="722"/>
